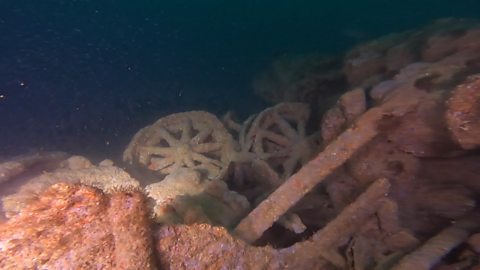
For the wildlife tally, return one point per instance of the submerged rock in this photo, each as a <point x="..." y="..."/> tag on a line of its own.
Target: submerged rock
<point x="463" y="113"/>
<point x="72" y="226"/>
<point x="183" y="197"/>
<point x="107" y="178"/>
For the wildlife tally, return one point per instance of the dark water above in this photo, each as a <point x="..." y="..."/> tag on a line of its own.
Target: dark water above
<point x="84" y="76"/>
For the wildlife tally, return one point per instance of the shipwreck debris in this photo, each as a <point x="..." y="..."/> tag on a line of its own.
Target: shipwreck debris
<point x="316" y="170"/>
<point x="196" y="140"/>
<point x="325" y="243"/>
<point x="279" y="137"/>
<point x="463" y="113"/>
<point x="412" y="118"/>
<point x="290" y="192"/>
<point x="184" y="197"/>
<point x="202" y="246"/>
<point x="431" y="252"/>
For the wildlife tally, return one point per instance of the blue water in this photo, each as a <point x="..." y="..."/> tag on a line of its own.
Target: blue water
<point x="84" y="76"/>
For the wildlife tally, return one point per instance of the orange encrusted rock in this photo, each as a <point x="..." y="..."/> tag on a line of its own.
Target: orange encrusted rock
<point x="463" y="113"/>
<point x="201" y="246"/>
<point x="78" y="227"/>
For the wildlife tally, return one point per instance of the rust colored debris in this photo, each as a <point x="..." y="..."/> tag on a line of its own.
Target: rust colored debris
<point x="349" y="106"/>
<point x="453" y="171"/>
<point x="201" y="246"/>
<point x="419" y="133"/>
<point x="474" y="242"/>
<point x="353" y="103"/>
<point x="430" y="253"/>
<point x="315" y="171"/>
<point x="289" y="193"/>
<point x="394" y="171"/>
<point x="205" y="247"/>
<point x="381" y="158"/>
<point x="422" y="132"/>
<point x="325" y="243"/>
<point x="379" y="239"/>
<point x="130" y="228"/>
<point x="78" y="227"/>
<point x="333" y="123"/>
<point x="463" y="113"/>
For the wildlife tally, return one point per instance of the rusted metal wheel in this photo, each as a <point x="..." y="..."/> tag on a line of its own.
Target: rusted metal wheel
<point x="196" y="140"/>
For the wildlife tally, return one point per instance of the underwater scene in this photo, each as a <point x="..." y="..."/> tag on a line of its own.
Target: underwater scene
<point x="240" y="134"/>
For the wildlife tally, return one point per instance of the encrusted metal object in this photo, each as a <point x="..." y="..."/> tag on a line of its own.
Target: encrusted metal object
<point x="195" y="140"/>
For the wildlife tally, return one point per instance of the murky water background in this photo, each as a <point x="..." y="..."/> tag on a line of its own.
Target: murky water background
<point x="83" y="76"/>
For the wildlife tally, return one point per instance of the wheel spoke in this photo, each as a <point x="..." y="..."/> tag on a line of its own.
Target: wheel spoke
<point x="170" y="169"/>
<point x="206" y="160"/>
<point x="202" y="135"/>
<point x="188" y="162"/>
<point x="274" y="137"/>
<point x="207" y="147"/>
<point x="285" y="127"/>
<point x="160" y="151"/>
<point x="302" y="132"/>
<point x="186" y="131"/>
<point x="158" y="164"/>
<point x="165" y="134"/>
<point x="289" y="166"/>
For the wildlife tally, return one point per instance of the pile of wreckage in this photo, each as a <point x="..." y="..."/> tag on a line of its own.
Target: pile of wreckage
<point x="385" y="177"/>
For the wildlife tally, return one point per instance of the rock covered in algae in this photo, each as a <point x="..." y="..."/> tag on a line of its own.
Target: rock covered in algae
<point x="72" y="226"/>
<point x="184" y="197"/>
<point x="75" y="170"/>
<point x="201" y="246"/>
<point x="16" y="166"/>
